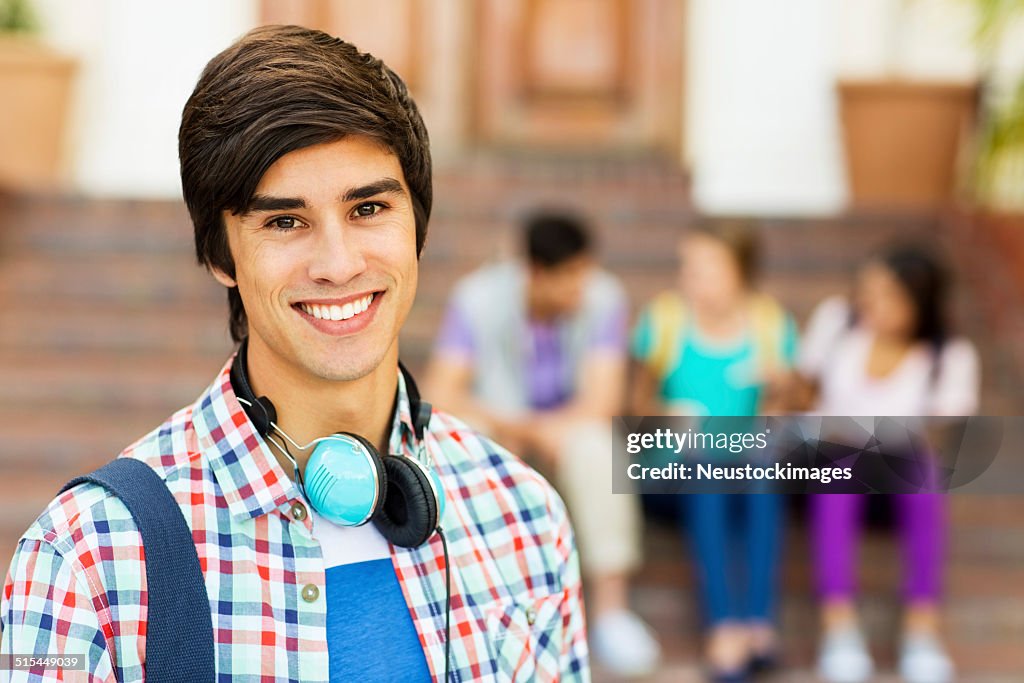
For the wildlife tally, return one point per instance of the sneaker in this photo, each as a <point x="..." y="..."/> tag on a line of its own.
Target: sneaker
<point x="624" y="644"/>
<point x="764" y="647"/>
<point x="844" y="657"/>
<point x="923" y="660"/>
<point x="728" y="653"/>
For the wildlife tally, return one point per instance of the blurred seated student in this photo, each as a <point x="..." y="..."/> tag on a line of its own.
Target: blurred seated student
<point x="533" y="352"/>
<point x="889" y="351"/>
<point x="716" y="346"/>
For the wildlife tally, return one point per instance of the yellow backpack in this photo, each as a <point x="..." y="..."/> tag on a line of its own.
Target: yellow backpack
<point x="668" y="321"/>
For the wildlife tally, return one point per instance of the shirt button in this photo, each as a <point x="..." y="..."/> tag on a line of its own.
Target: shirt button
<point x="531" y="615"/>
<point x="310" y="593"/>
<point x="298" y="512"/>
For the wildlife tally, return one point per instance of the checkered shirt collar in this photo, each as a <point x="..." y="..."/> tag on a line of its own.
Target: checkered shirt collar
<point x="249" y="475"/>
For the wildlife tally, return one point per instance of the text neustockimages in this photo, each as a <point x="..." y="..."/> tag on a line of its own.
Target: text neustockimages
<point x="776" y="472"/>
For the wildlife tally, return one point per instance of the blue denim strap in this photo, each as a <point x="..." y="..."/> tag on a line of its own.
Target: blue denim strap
<point x="179" y="632"/>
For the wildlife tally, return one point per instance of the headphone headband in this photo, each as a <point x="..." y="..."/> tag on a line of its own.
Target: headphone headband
<point x="262" y="412"/>
<point x="418" y="408"/>
<point x="259" y="409"/>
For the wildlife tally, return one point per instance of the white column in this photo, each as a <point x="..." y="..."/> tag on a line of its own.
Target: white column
<point x="763" y="127"/>
<point x="138" y="63"/>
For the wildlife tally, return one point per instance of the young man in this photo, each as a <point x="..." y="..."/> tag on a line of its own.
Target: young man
<point x="543" y="372"/>
<point x="306" y="169"/>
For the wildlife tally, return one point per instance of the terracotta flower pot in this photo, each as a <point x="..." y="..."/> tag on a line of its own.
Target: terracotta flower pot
<point x="903" y="141"/>
<point x="36" y="86"/>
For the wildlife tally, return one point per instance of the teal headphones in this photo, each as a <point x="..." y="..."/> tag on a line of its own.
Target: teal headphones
<point x="347" y="481"/>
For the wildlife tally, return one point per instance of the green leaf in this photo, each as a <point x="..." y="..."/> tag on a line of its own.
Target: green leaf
<point x="17" y="16"/>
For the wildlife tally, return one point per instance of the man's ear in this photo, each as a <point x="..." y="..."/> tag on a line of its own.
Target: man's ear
<point x="223" y="277"/>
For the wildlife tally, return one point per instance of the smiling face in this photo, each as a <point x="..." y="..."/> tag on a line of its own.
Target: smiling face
<point x="325" y="260"/>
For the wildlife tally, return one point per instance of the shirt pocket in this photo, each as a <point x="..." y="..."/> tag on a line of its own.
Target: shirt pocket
<point x="525" y="637"/>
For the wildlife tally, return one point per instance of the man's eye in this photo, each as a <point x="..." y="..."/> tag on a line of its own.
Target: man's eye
<point x="283" y="223"/>
<point x="368" y="209"/>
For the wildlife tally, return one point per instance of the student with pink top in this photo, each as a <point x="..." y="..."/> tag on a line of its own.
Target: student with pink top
<point x="888" y="352"/>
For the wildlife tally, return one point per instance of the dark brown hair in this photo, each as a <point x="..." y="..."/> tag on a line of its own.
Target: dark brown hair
<point x="925" y="277"/>
<point x="740" y="237"/>
<point x="276" y="90"/>
<point x="554" y="237"/>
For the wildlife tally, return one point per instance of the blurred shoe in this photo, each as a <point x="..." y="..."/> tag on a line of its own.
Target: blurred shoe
<point x="764" y="648"/>
<point x="844" y="657"/>
<point x="728" y="653"/>
<point x="923" y="660"/>
<point x="729" y="677"/>
<point x="624" y="645"/>
<point x="764" y="663"/>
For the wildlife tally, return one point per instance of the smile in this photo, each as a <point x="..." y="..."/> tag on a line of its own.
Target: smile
<point x="336" y="311"/>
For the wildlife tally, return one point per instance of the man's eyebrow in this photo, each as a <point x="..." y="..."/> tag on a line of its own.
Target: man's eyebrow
<point x="382" y="186"/>
<point x="262" y="202"/>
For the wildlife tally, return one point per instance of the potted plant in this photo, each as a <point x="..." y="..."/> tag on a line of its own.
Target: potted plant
<point x="904" y="132"/>
<point x="36" y="84"/>
<point x="998" y="173"/>
<point x="997" y="178"/>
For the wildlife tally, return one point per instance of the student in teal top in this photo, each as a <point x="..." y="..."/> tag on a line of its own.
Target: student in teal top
<point x="716" y="347"/>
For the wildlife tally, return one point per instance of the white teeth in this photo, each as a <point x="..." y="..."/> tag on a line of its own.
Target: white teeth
<point x="336" y="312"/>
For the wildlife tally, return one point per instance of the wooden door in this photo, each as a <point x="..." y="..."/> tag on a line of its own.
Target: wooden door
<point x="599" y="75"/>
<point x="594" y="74"/>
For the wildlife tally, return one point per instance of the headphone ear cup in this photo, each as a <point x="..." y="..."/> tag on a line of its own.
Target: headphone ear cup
<point x="409" y="514"/>
<point x="382" y="474"/>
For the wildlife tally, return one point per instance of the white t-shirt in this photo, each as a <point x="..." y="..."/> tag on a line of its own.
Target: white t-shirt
<point x="348" y="545"/>
<point x="837" y="356"/>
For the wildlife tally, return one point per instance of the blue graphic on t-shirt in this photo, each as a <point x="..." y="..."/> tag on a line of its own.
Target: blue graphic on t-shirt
<point x="370" y="633"/>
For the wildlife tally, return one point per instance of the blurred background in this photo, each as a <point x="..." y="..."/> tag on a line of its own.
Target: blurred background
<point x="836" y="125"/>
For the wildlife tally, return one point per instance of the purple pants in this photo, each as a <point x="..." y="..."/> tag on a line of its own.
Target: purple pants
<point x="835" y="529"/>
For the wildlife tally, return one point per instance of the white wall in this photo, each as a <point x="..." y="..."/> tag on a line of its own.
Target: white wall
<point x="763" y="123"/>
<point x="762" y="127"/>
<point x="139" y="61"/>
<point x="917" y="39"/>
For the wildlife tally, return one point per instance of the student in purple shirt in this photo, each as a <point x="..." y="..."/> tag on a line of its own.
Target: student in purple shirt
<point x="534" y="354"/>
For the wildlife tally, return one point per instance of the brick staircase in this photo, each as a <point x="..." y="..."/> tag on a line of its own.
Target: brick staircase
<point x="107" y="325"/>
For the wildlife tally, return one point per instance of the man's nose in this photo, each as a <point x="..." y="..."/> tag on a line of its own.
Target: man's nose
<point x="337" y="254"/>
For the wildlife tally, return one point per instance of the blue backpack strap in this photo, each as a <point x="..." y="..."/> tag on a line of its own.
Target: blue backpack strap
<point x="179" y="633"/>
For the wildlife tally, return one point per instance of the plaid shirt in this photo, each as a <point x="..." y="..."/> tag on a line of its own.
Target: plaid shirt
<point x="77" y="583"/>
